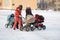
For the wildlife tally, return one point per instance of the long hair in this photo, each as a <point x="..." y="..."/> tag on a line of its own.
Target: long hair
<point x="19" y="7"/>
<point x="28" y="11"/>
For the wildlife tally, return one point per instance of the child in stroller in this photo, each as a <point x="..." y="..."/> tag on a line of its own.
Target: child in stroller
<point x="10" y="21"/>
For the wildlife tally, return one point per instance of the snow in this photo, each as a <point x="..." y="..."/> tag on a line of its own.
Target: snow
<point x="52" y="22"/>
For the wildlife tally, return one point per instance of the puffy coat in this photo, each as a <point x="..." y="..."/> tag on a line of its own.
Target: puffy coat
<point x="17" y="13"/>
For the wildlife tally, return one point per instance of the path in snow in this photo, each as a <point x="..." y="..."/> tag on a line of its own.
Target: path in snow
<point x="52" y="22"/>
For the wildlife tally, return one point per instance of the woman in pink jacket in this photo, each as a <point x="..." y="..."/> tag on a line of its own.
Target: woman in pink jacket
<point x="17" y="16"/>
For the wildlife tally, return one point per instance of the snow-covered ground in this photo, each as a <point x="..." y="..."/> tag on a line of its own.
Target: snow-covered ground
<point x="52" y="22"/>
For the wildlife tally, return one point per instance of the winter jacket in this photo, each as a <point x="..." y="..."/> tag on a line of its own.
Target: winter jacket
<point x="17" y="13"/>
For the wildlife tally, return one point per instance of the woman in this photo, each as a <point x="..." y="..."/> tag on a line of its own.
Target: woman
<point x="17" y="16"/>
<point x="29" y="17"/>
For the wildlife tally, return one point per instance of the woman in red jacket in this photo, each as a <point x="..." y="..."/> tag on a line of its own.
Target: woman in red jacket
<point x="17" y="15"/>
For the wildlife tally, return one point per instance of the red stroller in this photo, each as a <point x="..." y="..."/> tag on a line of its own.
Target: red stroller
<point x="39" y="19"/>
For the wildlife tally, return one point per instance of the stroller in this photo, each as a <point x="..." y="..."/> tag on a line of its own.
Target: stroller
<point x="10" y="21"/>
<point x="39" y="19"/>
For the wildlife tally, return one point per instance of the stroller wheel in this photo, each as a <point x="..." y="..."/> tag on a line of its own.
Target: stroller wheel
<point x="32" y="29"/>
<point x="21" y="29"/>
<point x="44" y="27"/>
<point x="25" y="28"/>
<point x="11" y="26"/>
<point x="28" y="28"/>
<point x="39" y="28"/>
<point x="6" y="25"/>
